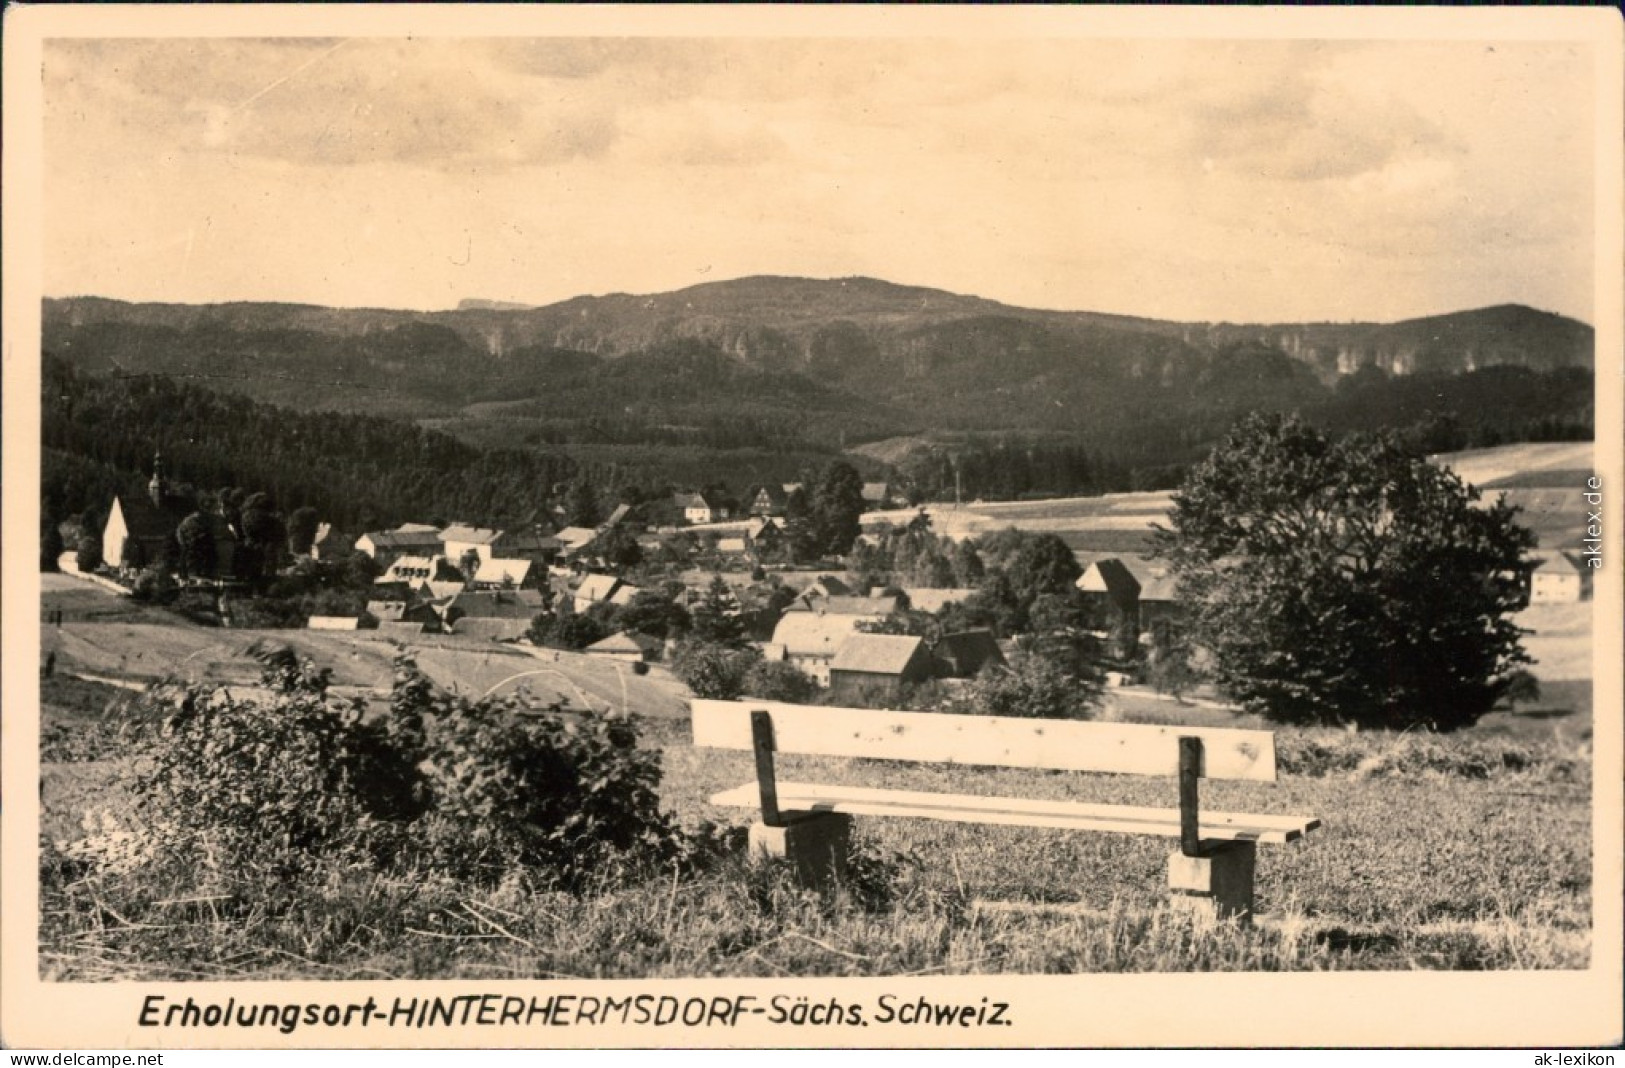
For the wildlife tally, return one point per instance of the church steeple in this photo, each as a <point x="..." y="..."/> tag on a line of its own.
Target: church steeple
<point x="155" y="488"/>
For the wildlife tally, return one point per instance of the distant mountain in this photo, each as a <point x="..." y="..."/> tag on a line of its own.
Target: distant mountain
<point x="803" y="324"/>
<point x="788" y="363"/>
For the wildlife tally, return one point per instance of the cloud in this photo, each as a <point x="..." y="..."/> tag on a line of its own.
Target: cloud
<point x="345" y="103"/>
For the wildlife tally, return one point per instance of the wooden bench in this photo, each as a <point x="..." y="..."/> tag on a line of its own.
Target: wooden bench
<point x="810" y="823"/>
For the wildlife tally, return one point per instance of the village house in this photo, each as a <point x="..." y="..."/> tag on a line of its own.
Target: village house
<point x="877" y="495"/>
<point x="810" y="640"/>
<point x="628" y="646"/>
<point x="769" y="501"/>
<point x="966" y="654"/>
<point x="593" y="589"/>
<point x="1113" y="594"/>
<point x="765" y="535"/>
<point x="409" y="539"/>
<point x="526" y="545"/>
<point x="874" y="668"/>
<point x="924" y="599"/>
<point x="1159" y="606"/>
<point x="574" y="541"/>
<point x="459" y="540"/>
<point x="498" y="615"/>
<point x="439" y="589"/>
<point x="1558" y="578"/>
<point x="418" y="569"/>
<point x="421" y="614"/>
<point x="697" y="510"/>
<point x="869" y="607"/>
<point x="494" y="574"/>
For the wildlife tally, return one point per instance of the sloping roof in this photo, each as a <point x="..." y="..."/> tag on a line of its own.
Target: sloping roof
<point x="1113" y="578"/>
<point x="576" y="537"/>
<point x="521" y="542"/>
<point x="620" y="513"/>
<point x="143" y="519"/>
<point x="858" y="606"/>
<point x="496" y="604"/>
<point x="625" y="642"/>
<point x="386" y="611"/>
<point x="732" y="545"/>
<point x="472" y="535"/>
<point x="440" y="590"/>
<point x="500" y="571"/>
<point x="495" y="629"/>
<point x="1556" y="563"/>
<point x="934" y="600"/>
<point x="690" y="500"/>
<point x="818" y="584"/>
<point x="810" y="634"/>
<point x="1163" y="588"/>
<point x="596" y="588"/>
<point x="967" y="652"/>
<point x="623" y="594"/>
<point x="875" y="491"/>
<point x="393" y="539"/>
<point x="876" y="654"/>
<point x="416" y="528"/>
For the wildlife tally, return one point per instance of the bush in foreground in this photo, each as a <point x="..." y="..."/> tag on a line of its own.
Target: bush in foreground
<point x="283" y="784"/>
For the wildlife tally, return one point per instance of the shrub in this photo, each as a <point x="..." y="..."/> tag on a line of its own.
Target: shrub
<point x="282" y="788"/>
<point x="714" y="671"/>
<point x="1030" y="687"/>
<point x="578" y="631"/>
<point x="88" y="554"/>
<point x="780" y="681"/>
<point x="154" y="586"/>
<point x="562" y="793"/>
<point x="256" y="783"/>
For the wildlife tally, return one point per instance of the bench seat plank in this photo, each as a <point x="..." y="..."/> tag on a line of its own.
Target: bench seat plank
<point x="1022" y="812"/>
<point x="932" y="737"/>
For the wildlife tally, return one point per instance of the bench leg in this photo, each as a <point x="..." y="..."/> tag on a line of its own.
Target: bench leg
<point x="1217" y="885"/>
<point x="817" y="845"/>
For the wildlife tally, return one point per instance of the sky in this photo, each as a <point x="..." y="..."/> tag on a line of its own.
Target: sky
<point x="1180" y="179"/>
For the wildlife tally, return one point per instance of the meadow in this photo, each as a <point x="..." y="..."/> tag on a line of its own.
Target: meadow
<point x="1470" y="851"/>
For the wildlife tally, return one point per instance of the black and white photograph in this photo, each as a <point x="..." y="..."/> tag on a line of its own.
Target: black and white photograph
<point x="839" y="527"/>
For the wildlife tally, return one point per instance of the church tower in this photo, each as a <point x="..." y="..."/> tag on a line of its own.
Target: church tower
<point x="155" y="488"/>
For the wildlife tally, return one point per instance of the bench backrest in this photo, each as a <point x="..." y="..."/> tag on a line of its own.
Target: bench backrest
<point x="934" y="737"/>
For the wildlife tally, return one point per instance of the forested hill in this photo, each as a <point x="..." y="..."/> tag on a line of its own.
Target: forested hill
<point x="100" y="434"/>
<point x="746" y="382"/>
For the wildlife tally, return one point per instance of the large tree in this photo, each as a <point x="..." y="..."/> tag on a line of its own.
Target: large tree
<point x="303" y="525"/>
<point x="837" y="507"/>
<point x="1346" y="581"/>
<point x="197" y="548"/>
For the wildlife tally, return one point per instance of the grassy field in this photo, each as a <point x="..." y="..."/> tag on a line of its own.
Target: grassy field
<point x="1544" y="479"/>
<point x="1465" y="852"/>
